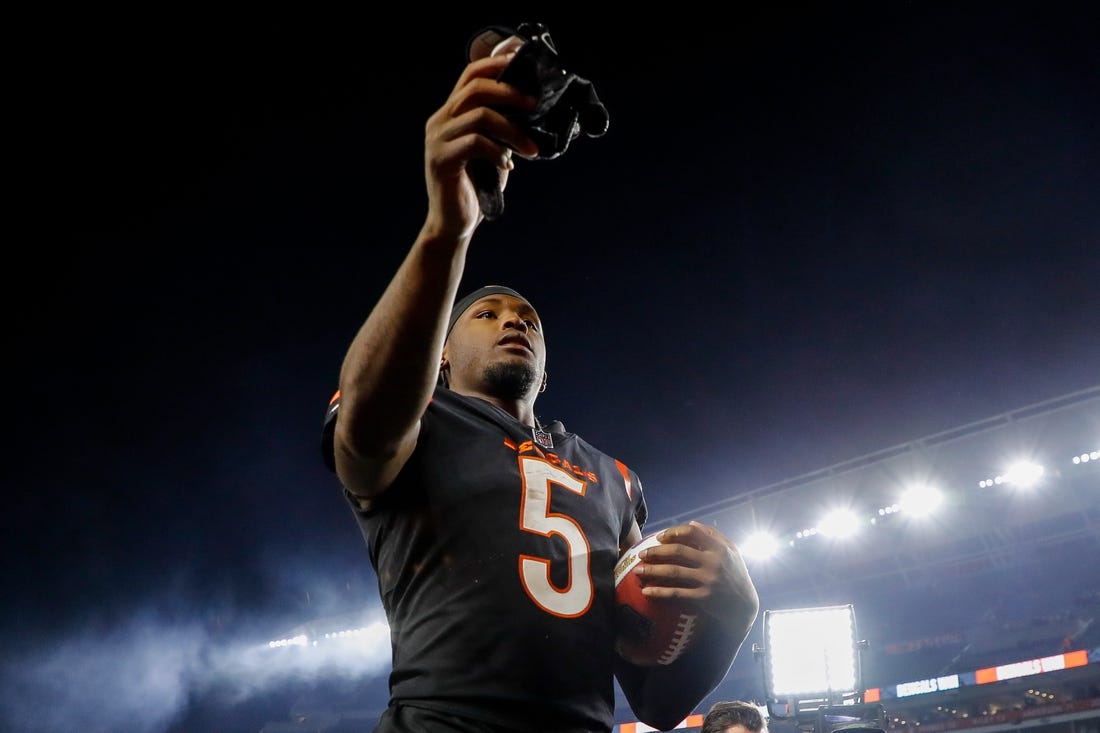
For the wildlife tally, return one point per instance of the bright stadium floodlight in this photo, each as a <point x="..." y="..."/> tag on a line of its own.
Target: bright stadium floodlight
<point x="920" y="500"/>
<point x="1024" y="474"/>
<point x="839" y="524"/>
<point x="759" y="546"/>
<point x="811" y="661"/>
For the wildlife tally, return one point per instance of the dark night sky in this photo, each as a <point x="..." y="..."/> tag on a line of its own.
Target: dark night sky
<point x="809" y="233"/>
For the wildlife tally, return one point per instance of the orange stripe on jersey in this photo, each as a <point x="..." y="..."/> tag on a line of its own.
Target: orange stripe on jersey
<point x="695" y="721"/>
<point x="626" y="476"/>
<point x="510" y="443"/>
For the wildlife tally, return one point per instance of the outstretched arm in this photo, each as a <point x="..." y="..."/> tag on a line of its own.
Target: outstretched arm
<point x="698" y="563"/>
<point x="391" y="366"/>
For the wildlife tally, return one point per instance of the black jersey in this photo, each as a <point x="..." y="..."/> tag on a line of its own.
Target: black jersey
<point x="495" y="558"/>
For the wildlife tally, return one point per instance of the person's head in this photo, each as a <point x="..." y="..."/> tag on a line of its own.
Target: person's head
<point x="495" y="346"/>
<point x="735" y="716"/>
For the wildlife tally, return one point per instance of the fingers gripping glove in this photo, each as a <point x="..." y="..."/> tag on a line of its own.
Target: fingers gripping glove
<point x="568" y="105"/>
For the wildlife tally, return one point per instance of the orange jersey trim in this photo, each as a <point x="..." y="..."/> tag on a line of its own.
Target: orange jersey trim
<point x="626" y="477"/>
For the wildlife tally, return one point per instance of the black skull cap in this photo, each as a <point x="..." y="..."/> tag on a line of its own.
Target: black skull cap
<point x="462" y="305"/>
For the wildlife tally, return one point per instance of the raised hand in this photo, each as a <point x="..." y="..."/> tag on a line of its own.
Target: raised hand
<point x="466" y="128"/>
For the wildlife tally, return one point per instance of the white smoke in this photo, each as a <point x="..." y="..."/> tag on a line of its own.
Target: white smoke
<point x="141" y="676"/>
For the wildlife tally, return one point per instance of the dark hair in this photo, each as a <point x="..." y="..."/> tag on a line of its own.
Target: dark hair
<point x="724" y="714"/>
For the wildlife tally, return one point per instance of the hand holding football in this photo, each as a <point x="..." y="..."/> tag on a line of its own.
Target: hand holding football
<point x="650" y="631"/>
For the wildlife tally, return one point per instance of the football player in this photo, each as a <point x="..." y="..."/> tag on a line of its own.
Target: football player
<point x="494" y="536"/>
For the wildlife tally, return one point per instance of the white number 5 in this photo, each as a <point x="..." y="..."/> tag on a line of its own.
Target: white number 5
<point x="574" y="599"/>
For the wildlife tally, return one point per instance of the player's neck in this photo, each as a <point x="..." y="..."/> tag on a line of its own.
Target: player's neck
<point x="521" y="410"/>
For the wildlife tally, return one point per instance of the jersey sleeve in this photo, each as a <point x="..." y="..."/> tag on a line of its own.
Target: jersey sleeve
<point x="328" y="430"/>
<point x="638" y="511"/>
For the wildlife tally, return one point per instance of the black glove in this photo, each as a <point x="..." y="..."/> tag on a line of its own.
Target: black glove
<point x="567" y="105"/>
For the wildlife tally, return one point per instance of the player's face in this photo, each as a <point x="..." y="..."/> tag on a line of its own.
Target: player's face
<point x="497" y="346"/>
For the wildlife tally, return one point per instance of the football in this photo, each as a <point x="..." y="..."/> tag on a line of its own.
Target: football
<point x="649" y="631"/>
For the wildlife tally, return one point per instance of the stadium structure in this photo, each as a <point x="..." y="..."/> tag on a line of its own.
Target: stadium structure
<point x="971" y="558"/>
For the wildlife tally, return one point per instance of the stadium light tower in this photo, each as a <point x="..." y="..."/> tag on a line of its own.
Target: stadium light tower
<point x="812" y="670"/>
